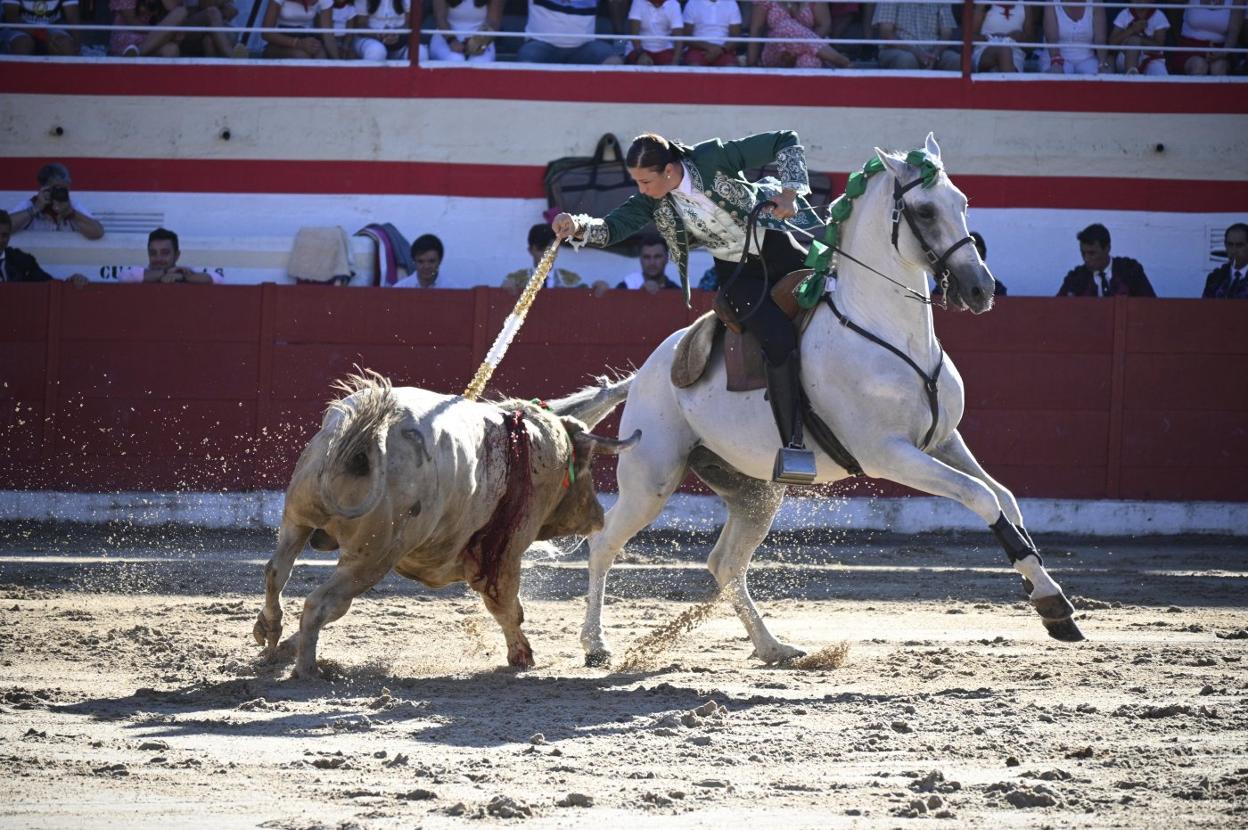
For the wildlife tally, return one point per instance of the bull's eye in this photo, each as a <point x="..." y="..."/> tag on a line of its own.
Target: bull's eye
<point x="926" y="213"/>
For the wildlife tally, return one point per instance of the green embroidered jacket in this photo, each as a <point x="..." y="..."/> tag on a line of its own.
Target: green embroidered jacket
<point x="715" y="167"/>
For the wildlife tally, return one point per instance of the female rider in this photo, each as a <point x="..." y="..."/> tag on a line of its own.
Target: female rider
<point x="699" y="196"/>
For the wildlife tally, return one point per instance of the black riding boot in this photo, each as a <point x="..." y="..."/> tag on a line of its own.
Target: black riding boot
<point x="794" y="463"/>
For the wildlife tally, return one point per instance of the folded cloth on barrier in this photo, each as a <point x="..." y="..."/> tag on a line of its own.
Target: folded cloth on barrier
<point x="394" y="253"/>
<point x="321" y="255"/>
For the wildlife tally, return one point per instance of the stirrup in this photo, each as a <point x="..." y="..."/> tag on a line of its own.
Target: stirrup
<point x="794" y="465"/>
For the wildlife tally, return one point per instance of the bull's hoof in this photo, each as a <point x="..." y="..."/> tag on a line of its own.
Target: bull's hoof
<point x="266" y="632"/>
<point x="1056" y="612"/>
<point x="597" y="659"/>
<point x="780" y="656"/>
<point x="1064" y="630"/>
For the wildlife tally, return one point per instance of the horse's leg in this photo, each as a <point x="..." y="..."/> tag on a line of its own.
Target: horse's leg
<point x="648" y="474"/>
<point x="752" y="505"/>
<point x="905" y="464"/>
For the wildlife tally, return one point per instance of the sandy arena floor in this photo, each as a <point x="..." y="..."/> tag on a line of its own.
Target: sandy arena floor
<point x="130" y="693"/>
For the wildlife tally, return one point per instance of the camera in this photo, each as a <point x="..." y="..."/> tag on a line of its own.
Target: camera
<point x="59" y="194"/>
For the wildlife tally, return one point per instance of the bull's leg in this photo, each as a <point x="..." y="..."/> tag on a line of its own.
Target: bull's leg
<point x="647" y="475"/>
<point x="331" y="600"/>
<point x="752" y="506"/>
<point x="905" y="464"/>
<point x="268" y="629"/>
<point x="507" y="610"/>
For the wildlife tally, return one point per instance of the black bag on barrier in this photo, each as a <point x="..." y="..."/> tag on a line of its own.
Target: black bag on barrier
<point x="594" y="185"/>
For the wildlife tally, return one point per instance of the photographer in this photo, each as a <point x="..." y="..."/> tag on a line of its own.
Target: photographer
<point x="53" y="208"/>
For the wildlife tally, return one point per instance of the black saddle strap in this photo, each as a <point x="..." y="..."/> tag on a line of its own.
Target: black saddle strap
<point x="827" y="440"/>
<point x="929" y="382"/>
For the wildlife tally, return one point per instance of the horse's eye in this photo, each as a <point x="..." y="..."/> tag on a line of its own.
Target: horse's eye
<point x="926" y="212"/>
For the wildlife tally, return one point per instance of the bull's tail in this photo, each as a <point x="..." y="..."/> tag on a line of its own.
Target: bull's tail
<point x="593" y="403"/>
<point x="358" y="448"/>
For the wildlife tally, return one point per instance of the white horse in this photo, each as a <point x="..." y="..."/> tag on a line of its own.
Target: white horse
<point x="875" y="402"/>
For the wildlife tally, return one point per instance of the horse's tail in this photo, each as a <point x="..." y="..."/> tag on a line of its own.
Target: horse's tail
<point x="593" y="403"/>
<point x="358" y="448"/>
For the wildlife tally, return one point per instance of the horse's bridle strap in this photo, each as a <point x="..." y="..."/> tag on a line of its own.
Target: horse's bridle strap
<point x="940" y="264"/>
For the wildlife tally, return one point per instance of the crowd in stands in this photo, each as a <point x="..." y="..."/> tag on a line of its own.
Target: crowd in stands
<point x="53" y="208"/>
<point x="1079" y="38"/>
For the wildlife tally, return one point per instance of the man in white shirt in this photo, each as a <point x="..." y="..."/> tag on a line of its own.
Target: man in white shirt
<point x="162" y="263"/>
<point x="714" y="23"/>
<point x="53" y="208"/>
<point x="653" y="274"/>
<point x="562" y="31"/>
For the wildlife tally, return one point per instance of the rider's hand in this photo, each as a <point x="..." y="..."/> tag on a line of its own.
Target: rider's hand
<point x="785" y="205"/>
<point x="564" y="226"/>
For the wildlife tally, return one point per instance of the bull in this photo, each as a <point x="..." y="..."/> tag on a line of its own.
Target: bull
<point x="440" y="489"/>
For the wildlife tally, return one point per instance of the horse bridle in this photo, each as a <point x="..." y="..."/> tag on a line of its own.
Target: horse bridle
<point x="939" y="264"/>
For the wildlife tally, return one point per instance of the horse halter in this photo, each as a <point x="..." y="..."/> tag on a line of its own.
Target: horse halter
<point x="939" y="264"/>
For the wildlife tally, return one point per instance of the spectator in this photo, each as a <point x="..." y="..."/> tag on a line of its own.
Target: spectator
<point x="652" y="23"/>
<point x="378" y="17"/>
<point x="39" y="33"/>
<point x="342" y="17"/>
<point x="145" y="13"/>
<point x="1077" y="40"/>
<point x="999" y="28"/>
<point x="1231" y="280"/>
<point x="18" y="266"/>
<point x="916" y="21"/>
<point x="466" y="16"/>
<point x="53" y="208"/>
<point x="798" y="21"/>
<point x="295" y="15"/>
<point x="1101" y="276"/>
<point x="1140" y="26"/>
<point x="1211" y="25"/>
<point x="540" y="237"/>
<point x="427" y="252"/>
<point x="562" y="31"/>
<point x="981" y="246"/>
<point x="714" y="23"/>
<point x="842" y="15"/>
<point x="653" y="274"/>
<point x="212" y="14"/>
<point x="162" y="263"/>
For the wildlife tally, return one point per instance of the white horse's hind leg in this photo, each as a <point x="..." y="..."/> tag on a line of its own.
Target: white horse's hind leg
<point x="648" y="474"/>
<point x="954" y="452"/>
<point x="752" y="506"/>
<point x="905" y="464"/>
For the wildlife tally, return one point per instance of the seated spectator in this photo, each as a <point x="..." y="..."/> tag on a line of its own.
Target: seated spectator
<point x="427" y="253"/>
<point x="145" y="13"/>
<point x="1207" y="25"/>
<point x="792" y="20"/>
<point x="483" y="17"/>
<point x="1230" y="281"/>
<point x="653" y="274"/>
<point x="1103" y="276"/>
<point x="18" y="266"/>
<point x="376" y="18"/>
<point x="652" y="24"/>
<point x="981" y="246"/>
<point x="1076" y="37"/>
<point x="40" y="34"/>
<point x="342" y="17"/>
<point x="540" y="237"/>
<point x="841" y="17"/>
<point x="162" y="263"/>
<point x="1140" y="26"/>
<point x="53" y="208"/>
<point x="916" y="21"/>
<point x="714" y="23"/>
<point x="562" y="31"/>
<point x="999" y="28"/>
<point x="294" y="15"/>
<point x="212" y="14"/>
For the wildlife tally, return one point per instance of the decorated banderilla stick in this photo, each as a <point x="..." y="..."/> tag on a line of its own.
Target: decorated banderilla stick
<point x="512" y="324"/>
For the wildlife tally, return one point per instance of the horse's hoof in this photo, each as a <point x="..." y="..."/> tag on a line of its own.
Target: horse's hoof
<point x="1064" y="630"/>
<point x="597" y="659"/>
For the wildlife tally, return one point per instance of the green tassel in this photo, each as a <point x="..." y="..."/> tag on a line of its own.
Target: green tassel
<point x="841" y="209"/>
<point x="856" y="186"/>
<point x="818" y="252"/>
<point x="873" y="166"/>
<point x="811" y="289"/>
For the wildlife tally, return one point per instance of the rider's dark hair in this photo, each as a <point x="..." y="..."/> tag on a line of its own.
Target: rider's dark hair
<point x="650" y="151"/>
<point x="1095" y="233"/>
<point x="163" y="233"/>
<point x="1238" y="226"/>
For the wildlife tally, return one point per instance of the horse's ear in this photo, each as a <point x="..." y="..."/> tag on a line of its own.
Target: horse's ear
<point x="933" y="149"/>
<point x="893" y="164"/>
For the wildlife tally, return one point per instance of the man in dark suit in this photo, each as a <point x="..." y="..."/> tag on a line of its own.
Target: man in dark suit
<point x="18" y="266"/>
<point x="1103" y="276"/>
<point x="1231" y="280"/>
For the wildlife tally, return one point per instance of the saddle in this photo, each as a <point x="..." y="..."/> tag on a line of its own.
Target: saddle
<point x="743" y="355"/>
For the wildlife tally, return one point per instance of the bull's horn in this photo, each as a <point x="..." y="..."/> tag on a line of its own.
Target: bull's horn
<point x="613" y="446"/>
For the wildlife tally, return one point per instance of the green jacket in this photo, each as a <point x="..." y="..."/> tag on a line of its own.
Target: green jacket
<point x="716" y="169"/>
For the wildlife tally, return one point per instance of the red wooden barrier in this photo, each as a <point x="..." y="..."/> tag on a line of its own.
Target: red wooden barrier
<point x="157" y="387"/>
